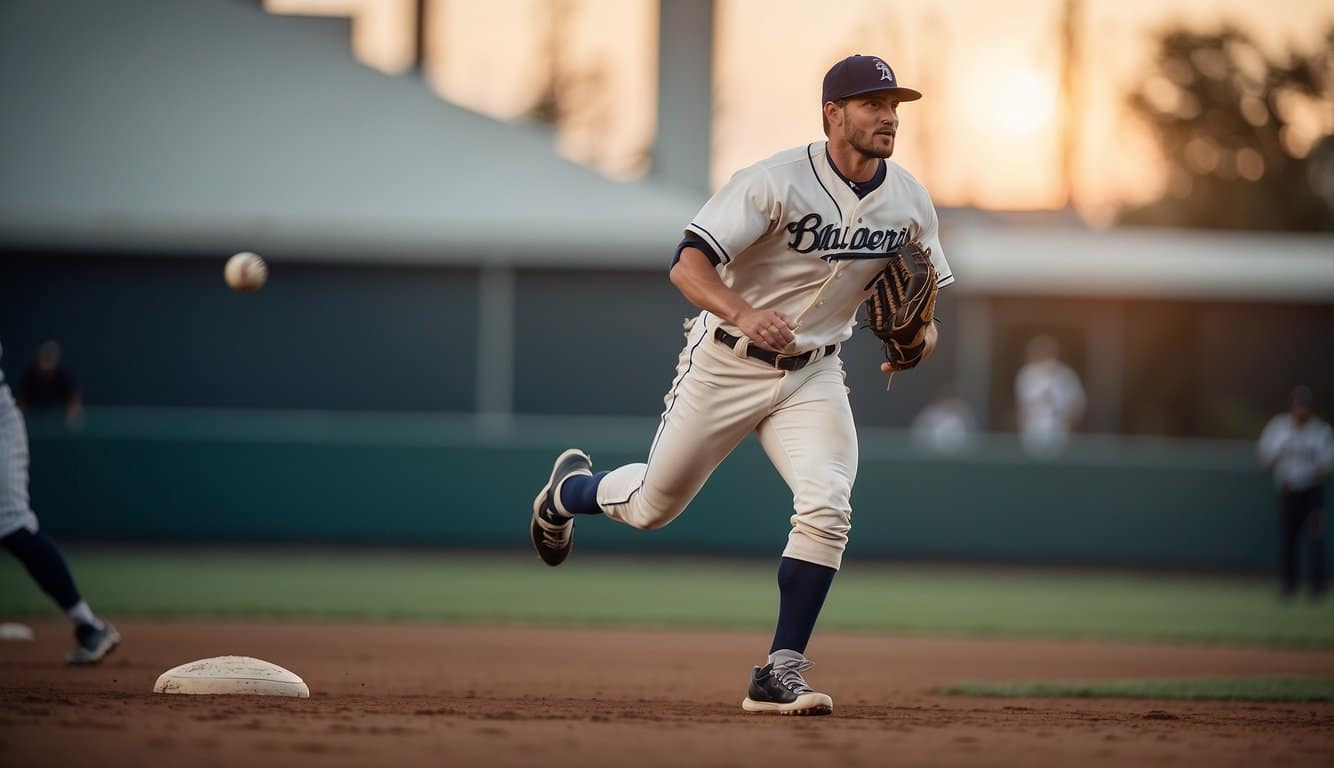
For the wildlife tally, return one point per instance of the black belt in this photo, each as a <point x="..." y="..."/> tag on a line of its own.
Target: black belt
<point x="781" y="362"/>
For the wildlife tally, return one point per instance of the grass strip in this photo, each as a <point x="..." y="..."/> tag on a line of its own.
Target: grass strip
<point x="1192" y="689"/>
<point x="594" y="589"/>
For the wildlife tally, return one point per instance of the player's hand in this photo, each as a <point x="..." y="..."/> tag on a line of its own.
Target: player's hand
<point x="930" y="335"/>
<point x="770" y="330"/>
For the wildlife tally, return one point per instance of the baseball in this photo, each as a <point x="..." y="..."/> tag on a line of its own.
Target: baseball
<point x="245" y="272"/>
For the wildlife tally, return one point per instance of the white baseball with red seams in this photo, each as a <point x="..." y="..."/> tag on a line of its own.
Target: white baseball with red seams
<point x="245" y="271"/>
<point x="793" y="237"/>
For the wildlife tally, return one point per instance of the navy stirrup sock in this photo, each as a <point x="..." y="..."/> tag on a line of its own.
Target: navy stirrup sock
<point x="579" y="494"/>
<point x="802" y="588"/>
<point x="45" y="564"/>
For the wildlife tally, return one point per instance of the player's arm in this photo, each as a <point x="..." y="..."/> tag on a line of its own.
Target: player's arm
<point x="930" y="335"/>
<point x="695" y="276"/>
<point x="1077" y="401"/>
<point x="737" y="215"/>
<point x="1325" y="454"/>
<point x="945" y="276"/>
<point x="927" y="236"/>
<point x="1270" y="446"/>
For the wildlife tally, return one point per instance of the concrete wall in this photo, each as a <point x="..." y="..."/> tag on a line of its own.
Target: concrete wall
<point x="191" y="433"/>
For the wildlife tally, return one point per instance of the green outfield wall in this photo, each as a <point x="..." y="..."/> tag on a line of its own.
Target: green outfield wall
<point x="220" y="476"/>
<point x="160" y="331"/>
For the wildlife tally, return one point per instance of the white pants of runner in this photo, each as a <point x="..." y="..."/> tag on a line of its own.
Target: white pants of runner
<point x="14" y="511"/>
<point x="719" y="396"/>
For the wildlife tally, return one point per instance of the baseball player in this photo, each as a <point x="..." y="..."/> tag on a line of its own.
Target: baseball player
<point x="1299" y="448"/>
<point x="94" y="638"/>
<point x="778" y="261"/>
<point x="1049" y="397"/>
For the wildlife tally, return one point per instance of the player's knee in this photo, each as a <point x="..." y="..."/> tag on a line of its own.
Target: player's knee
<point x="654" y="523"/>
<point x="18" y="540"/>
<point x="648" y="514"/>
<point x="831" y="493"/>
<point x="660" y="516"/>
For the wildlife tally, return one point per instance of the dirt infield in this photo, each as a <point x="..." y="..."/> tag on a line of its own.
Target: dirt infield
<point x="445" y="695"/>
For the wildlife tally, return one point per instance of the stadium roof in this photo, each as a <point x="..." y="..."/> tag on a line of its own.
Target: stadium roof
<point x="1142" y="263"/>
<point x="211" y="126"/>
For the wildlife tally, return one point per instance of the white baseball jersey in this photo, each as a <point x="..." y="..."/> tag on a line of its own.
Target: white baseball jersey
<point x="945" y="427"/>
<point x="790" y="235"/>
<point x="14" y="510"/>
<point x="1049" y="395"/>
<point x="795" y="238"/>
<point x="1300" y="454"/>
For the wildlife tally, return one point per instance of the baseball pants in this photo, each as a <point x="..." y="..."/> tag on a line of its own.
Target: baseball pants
<point x="1302" y="512"/>
<point x="802" y="419"/>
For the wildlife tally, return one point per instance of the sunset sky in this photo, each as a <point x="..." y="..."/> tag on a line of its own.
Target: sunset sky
<point x="987" y="132"/>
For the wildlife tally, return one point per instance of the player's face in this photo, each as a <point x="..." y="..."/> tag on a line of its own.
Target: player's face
<point x="870" y="124"/>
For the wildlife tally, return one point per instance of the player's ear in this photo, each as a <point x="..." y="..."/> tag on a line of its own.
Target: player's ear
<point x="831" y="111"/>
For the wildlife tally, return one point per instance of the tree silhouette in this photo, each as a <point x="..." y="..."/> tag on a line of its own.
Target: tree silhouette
<point x="1223" y="113"/>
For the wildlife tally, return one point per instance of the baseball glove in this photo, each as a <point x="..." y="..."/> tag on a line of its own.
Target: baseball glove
<point x="903" y="304"/>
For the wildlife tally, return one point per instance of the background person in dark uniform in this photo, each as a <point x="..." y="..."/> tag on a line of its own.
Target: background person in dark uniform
<point x="1299" y="448"/>
<point x="49" y="386"/>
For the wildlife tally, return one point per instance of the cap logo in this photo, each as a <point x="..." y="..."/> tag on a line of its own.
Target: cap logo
<point x="885" y="74"/>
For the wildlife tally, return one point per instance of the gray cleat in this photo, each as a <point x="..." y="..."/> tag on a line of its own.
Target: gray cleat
<point x="93" y="644"/>
<point x="778" y="688"/>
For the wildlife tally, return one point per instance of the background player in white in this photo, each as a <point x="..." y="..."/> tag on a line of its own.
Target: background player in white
<point x="94" y="638"/>
<point x="947" y="425"/>
<point x="779" y="260"/>
<point x="1049" y="398"/>
<point x="1299" y="448"/>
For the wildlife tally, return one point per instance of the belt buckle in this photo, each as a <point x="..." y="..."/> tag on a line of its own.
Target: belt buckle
<point x="798" y="361"/>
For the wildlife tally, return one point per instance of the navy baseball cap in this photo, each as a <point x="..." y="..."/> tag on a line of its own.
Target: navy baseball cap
<point x="859" y="75"/>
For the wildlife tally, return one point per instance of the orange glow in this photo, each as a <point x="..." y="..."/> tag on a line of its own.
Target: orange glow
<point x="1019" y="101"/>
<point x="988" y="132"/>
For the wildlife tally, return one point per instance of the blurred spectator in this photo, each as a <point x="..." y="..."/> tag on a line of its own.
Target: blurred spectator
<point x="1300" y="449"/>
<point x="49" y="386"/>
<point x="1049" y="399"/>
<point x="945" y="426"/>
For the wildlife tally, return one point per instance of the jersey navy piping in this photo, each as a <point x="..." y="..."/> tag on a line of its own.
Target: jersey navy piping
<point x="821" y="181"/>
<point x="860" y="188"/>
<point x="693" y="240"/>
<point x="726" y="256"/>
<point x="704" y="319"/>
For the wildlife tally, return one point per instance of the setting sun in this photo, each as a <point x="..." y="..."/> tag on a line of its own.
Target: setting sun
<point x="1019" y="101"/>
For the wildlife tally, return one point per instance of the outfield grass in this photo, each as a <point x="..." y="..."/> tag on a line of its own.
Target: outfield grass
<point x="1201" y="689"/>
<point x="601" y="590"/>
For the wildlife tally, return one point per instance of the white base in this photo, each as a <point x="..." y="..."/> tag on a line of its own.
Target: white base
<point x="232" y="675"/>
<point x="12" y="632"/>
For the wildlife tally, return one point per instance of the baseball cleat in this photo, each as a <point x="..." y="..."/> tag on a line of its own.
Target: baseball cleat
<point x="778" y="688"/>
<point x="552" y="530"/>
<point x="93" y="644"/>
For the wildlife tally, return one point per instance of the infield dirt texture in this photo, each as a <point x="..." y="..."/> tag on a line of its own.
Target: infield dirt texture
<point x="412" y="694"/>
